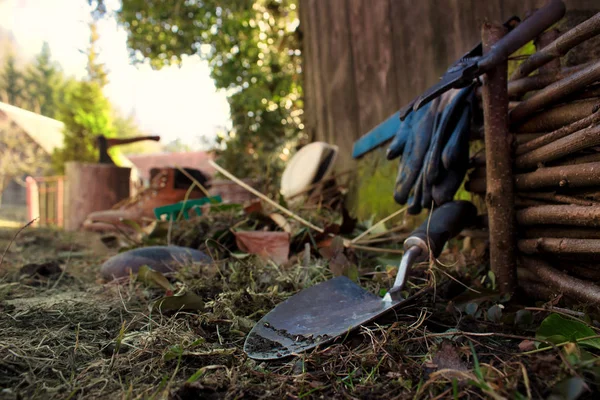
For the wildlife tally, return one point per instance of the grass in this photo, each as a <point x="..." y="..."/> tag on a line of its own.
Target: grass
<point x="69" y="335"/>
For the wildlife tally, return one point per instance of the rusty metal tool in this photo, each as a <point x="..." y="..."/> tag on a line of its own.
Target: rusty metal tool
<point x="475" y="63"/>
<point x="322" y="313"/>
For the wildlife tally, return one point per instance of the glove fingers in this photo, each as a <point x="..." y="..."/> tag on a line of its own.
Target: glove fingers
<point x="414" y="161"/>
<point x="459" y="140"/>
<point x="414" y="203"/>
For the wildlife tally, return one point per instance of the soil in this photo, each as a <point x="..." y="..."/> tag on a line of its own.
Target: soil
<point x="65" y="333"/>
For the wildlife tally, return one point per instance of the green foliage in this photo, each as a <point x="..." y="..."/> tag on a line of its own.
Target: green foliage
<point x="96" y="70"/>
<point x="86" y="113"/>
<point x="253" y="50"/>
<point x="44" y="82"/>
<point x="557" y="329"/>
<point x="12" y="88"/>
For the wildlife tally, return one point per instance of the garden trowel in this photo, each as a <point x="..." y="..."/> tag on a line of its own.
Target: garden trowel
<point x="323" y="312"/>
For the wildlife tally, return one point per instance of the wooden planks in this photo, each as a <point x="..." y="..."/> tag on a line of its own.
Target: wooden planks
<point x="374" y="64"/>
<point x="365" y="59"/>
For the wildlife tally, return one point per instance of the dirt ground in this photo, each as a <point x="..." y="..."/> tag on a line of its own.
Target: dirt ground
<point x="64" y="333"/>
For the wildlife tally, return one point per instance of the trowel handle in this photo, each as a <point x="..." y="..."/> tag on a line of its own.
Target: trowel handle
<point x="444" y="223"/>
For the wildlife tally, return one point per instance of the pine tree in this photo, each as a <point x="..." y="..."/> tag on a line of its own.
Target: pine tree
<point x="96" y="70"/>
<point x="11" y="82"/>
<point x="43" y="82"/>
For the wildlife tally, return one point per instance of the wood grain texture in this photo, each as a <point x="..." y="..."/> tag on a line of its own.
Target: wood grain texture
<point x="372" y="50"/>
<point x="93" y="187"/>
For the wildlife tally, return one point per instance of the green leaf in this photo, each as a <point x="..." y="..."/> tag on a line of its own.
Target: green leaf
<point x="494" y="313"/>
<point x="568" y="389"/>
<point x="188" y="301"/>
<point x="151" y="277"/>
<point x="523" y="318"/>
<point x="557" y="326"/>
<point x="471" y="309"/>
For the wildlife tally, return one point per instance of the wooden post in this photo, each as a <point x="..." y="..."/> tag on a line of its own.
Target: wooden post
<point x="92" y="187"/>
<point x="500" y="191"/>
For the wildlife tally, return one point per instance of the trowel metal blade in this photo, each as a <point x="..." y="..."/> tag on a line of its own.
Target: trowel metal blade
<point x="313" y="317"/>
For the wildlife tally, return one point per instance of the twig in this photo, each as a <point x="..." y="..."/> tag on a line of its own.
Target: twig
<point x="499" y="188"/>
<point x="560" y="215"/>
<point x="577" y="289"/>
<point x="546" y="245"/>
<point x="15" y="237"/>
<point x="559" y="47"/>
<point x="553" y="93"/>
<point x="580" y="140"/>
<point x="263" y="197"/>
<point x="557" y="117"/>
<point x="539" y="81"/>
<point x="559" y="133"/>
<point x="384" y="220"/>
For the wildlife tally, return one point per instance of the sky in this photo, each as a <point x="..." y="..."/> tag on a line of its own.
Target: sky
<point x="174" y="103"/>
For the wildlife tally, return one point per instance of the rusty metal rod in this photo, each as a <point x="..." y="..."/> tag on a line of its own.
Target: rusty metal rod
<point x="556" y="214"/>
<point x="559" y="116"/>
<point x="555" y="92"/>
<point x="546" y="245"/>
<point x="559" y="47"/>
<point x="559" y="133"/>
<point x="580" y="140"/>
<point x="500" y="197"/>
<point x="578" y="289"/>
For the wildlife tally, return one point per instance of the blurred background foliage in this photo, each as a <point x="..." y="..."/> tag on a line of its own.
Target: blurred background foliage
<point x="253" y="48"/>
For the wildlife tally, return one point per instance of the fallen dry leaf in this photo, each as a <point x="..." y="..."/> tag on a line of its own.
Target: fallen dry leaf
<point x="274" y="246"/>
<point x="527" y="345"/>
<point x="338" y="262"/>
<point x="188" y="301"/>
<point x="448" y="358"/>
<point x="254" y="207"/>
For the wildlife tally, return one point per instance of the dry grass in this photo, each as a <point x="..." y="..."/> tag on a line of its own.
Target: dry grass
<point x="71" y="336"/>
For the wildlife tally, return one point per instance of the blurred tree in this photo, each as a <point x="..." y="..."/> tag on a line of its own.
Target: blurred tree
<point x="96" y="70"/>
<point x="86" y="113"/>
<point x="19" y="155"/>
<point x="44" y="81"/>
<point x="176" y="146"/>
<point x="11" y="82"/>
<point x="253" y="49"/>
<point x="126" y="127"/>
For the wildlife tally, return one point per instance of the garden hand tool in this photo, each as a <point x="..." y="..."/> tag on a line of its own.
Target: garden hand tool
<point x="429" y="239"/>
<point x="323" y="312"/>
<point x="474" y="63"/>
